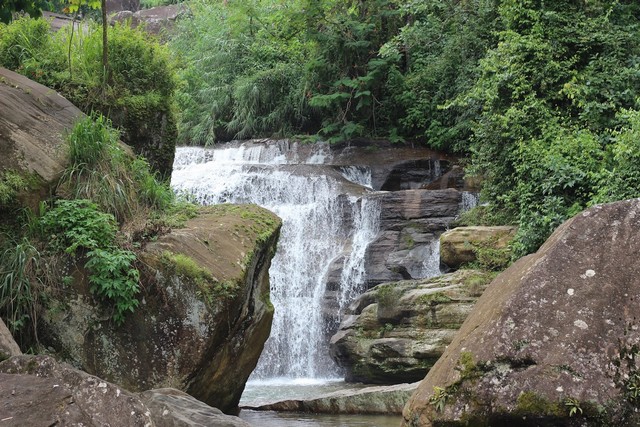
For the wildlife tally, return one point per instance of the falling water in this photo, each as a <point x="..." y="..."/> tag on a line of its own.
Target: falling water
<point x="314" y="232"/>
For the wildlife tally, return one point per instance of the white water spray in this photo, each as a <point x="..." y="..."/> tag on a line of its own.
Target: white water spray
<point x="313" y="234"/>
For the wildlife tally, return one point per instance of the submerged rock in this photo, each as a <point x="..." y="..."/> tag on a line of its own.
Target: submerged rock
<point x="39" y="391"/>
<point x="379" y="400"/>
<point x="554" y="340"/>
<point x="204" y="314"/>
<point x="396" y="331"/>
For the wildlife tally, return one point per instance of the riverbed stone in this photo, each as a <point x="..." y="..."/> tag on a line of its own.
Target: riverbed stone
<point x="374" y="400"/>
<point x="461" y="245"/>
<point x="558" y="330"/>
<point x="204" y="312"/>
<point x="396" y="331"/>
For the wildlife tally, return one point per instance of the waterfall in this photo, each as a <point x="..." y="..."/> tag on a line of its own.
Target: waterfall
<point x="311" y="202"/>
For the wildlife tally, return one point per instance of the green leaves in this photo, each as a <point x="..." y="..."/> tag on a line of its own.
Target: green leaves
<point x="74" y="5"/>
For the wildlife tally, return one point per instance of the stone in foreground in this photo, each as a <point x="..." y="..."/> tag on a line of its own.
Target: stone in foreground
<point x="203" y="318"/>
<point x="39" y="391"/>
<point x="554" y="340"/>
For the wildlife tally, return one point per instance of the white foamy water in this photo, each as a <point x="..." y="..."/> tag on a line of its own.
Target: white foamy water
<point x="313" y="234"/>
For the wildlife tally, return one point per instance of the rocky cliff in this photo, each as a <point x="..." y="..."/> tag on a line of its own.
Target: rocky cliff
<point x="554" y="340"/>
<point x="33" y="122"/>
<point x="204" y="317"/>
<point x="396" y="331"/>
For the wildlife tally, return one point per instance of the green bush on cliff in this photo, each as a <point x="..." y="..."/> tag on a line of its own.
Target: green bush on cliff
<point x="79" y="227"/>
<point x="136" y="93"/>
<point x="102" y="170"/>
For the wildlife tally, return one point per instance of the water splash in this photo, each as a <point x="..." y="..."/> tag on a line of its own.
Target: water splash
<point x="357" y="174"/>
<point x="314" y="233"/>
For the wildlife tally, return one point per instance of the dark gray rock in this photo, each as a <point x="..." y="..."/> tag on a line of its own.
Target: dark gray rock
<point x="410" y="223"/>
<point x="558" y="329"/>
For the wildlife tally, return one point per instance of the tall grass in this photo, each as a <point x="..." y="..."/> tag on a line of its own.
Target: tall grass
<point x="20" y="270"/>
<point x="102" y="170"/>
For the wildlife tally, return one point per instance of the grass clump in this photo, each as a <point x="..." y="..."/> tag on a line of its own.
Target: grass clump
<point x="11" y="183"/>
<point x="20" y="269"/>
<point x="102" y="170"/>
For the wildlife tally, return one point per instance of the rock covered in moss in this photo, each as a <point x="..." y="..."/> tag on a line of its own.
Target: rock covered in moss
<point x="396" y="331"/>
<point x="203" y="317"/>
<point x="554" y="340"/>
<point x="487" y="245"/>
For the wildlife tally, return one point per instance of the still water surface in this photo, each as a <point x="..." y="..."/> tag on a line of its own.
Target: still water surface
<point x="261" y="392"/>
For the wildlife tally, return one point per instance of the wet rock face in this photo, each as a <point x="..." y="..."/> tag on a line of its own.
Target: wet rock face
<point x="200" y="336"/>
<point x="396" y="331"/>
<point x="39" y="391"/>
<point x="557" y="330"/>
<point x="410" y="222"/>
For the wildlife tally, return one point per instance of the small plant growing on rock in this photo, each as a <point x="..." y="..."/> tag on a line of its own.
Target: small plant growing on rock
<point x="439" y="398"/>
<point x="573" y="405"/>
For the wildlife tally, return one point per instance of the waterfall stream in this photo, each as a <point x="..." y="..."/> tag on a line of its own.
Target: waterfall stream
<point x="324" y="217"/>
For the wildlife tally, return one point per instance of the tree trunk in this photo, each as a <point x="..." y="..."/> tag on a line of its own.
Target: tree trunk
<point x="105" y="54"/>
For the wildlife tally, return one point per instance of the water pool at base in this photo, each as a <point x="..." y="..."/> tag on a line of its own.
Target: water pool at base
<point x="265" y="391"/>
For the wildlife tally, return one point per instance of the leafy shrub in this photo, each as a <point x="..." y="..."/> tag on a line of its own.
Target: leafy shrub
<point x="74" y="224"/>
<point x="114" y="278"/>
<point x="138" y="96"/>
<point x="79" y="224"/>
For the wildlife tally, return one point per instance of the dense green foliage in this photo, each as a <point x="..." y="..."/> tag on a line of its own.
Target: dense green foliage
<point x="136" y="93"/>
<point x="541" y="95"/>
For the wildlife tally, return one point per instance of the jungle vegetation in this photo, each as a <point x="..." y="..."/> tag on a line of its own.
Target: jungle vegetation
<point x="540" y="97"/>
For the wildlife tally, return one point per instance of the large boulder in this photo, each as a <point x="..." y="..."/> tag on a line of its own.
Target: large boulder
<point x="396" y="331"/>
<point x="378" y="400"/>
<point x="463" y="245"/>
<point x="33" y="122"/>
<point x="39" y="391"/>
<point x="554" y="340"/>
<point x="204" y="314"/>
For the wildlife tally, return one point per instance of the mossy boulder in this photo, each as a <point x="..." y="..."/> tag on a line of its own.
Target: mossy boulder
<point x="554" y="340"/>
<point x="203" y="317"/>
<point x="395" y="332"/>
<point x="485" y="245"/>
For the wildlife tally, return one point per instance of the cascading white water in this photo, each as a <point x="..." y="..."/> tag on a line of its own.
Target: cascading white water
<point x="313" y="234"/>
